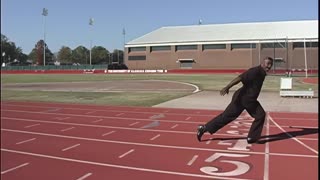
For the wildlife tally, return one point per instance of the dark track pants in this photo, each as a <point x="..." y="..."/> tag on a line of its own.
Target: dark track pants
<point x="233" y="110"/>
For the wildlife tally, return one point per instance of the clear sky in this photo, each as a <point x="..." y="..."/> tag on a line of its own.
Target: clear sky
<point x="67" y="23"/>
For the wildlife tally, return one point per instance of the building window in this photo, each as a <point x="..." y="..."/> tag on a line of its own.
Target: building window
<point x="186" y="47"/>
<point x="213" y="46"/>
<point x="274" y="45"/>
<point x="243" y="46"/>
<point x="308" y="44"/>
<point x="160" y="48"/>
<point x="136" y="58"/>
<point x="133" y="49"/>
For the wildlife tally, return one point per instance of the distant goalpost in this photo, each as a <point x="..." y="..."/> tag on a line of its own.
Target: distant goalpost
<point x="278" y="49"/>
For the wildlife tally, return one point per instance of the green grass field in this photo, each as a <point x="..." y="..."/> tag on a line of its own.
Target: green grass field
<point x="206" y="82"/>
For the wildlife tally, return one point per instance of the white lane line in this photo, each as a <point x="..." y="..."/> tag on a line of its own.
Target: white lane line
<point x="51" y="110"/>
<point x="155" y="137"/>
<point x="96" y="121"/>
<point x="63" y="130"/>
<point x="134" y="123"/>
<point x="192" y="160"/>
<point x="123" y="155"/>
<point x="109" y="117"/>
<point x="174" y="126"/>
<point x="267" y="151"/>
<point x="209" y="141"/>
<point x="108" y="133"/>
<point x="90" y="112"/>
<point x="31" y="125"/>
<point x="141" y="111"/>
<point x="120" y="114"/>
<point x="84" y="176"/>
<point x="157" y="145"/>
<point x="306" y="146"/>
<point x="71" y="147"/>
<point x="61" y="118"/>
<point x="118" y="127"/>
<point x="26" y="141"/>
<point x="14" y="168"/>
<point x="121" y="166"/>
<point x="188" y="118"/>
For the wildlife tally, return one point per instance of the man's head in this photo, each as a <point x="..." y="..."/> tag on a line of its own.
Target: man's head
<point x="267" y="63"/>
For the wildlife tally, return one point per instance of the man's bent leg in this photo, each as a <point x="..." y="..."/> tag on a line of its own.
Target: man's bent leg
<point x="258" y="113"/>
<point x="233" y="111"/>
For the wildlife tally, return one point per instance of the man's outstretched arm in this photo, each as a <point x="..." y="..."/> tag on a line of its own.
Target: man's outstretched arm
<point x="225" y="90"/>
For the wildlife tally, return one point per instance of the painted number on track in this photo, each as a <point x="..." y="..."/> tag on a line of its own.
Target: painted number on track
<point x="242" y="167"/>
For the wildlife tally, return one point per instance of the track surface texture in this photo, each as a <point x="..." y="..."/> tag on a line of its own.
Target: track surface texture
<point x="72" y="141"/>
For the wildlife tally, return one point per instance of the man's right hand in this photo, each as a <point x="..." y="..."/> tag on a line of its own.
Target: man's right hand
<point x="224" y="91"/>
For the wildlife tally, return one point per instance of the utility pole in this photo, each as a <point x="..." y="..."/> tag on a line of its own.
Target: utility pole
<point x="124" y="43"/>
<point x="44" y="13"/>
<point x="91" y="24"/>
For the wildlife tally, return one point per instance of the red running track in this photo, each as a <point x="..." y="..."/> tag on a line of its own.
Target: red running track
<point x="72" y="141"/>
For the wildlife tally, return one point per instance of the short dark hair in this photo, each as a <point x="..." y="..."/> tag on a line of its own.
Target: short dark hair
<point x="269" y="58"/>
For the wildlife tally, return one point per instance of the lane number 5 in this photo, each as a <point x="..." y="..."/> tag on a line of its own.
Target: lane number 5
<point x="242" y="167"/>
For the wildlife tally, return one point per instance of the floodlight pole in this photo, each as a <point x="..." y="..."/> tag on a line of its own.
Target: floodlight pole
<point x="91" y="24"/>
<point x="124" y="43"/>
<point x="305" y="57"/>
<point x="44" y="13"/>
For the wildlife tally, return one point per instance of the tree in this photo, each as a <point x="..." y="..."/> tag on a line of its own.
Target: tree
<point x="9" y="51"/>
<point x="80" y="55"/>
<point x="99" y="55"/>
<point x="65" y="55"/>
<point x="38" y="50"/>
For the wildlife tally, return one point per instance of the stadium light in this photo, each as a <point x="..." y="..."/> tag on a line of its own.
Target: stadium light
<point x="44" y="13"/>
<point x="91" y="24"/>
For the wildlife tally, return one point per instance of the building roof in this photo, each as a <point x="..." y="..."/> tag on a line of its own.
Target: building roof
<point x="227" y="33"/>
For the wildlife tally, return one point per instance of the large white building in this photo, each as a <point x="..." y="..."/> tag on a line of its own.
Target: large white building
<point x="226" y="46"/>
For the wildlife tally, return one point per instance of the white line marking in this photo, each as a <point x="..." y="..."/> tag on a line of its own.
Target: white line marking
<point x="134" y="123"/>
<point x="117" y="127"/>
<point x="192" y="160"/>
<point x="155" y="137"/>
<point x="68" y="148"/>
<point x="90" y="112"/>
<point x="209" y="141"/>
<point x="120" y="166"/>
<point x="187" y="118"/>
<point x="106" y="134"/>
<point x="267" y="151"/>
<point x="157" y="145"/>
<point x="31" y="125"/>
<point x="63" y="130"/>
<point x="120" y="114"/>
<point x="61" y="118"/>
<point x="109" y="117"/>
<point x="103" y="126"/>
<point x="14" y="168"/>
<point x="51" y="110"/>
<point x="174" y="126"/>
<point x="64" y="118"/>
<point x="26" y="141"/>
<point x="123" y="155"/>
<point x="85" y="176"/>
<point x="306" y="146"/>
<point x="96" y="121"/>
<point x="140" y="111"/>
